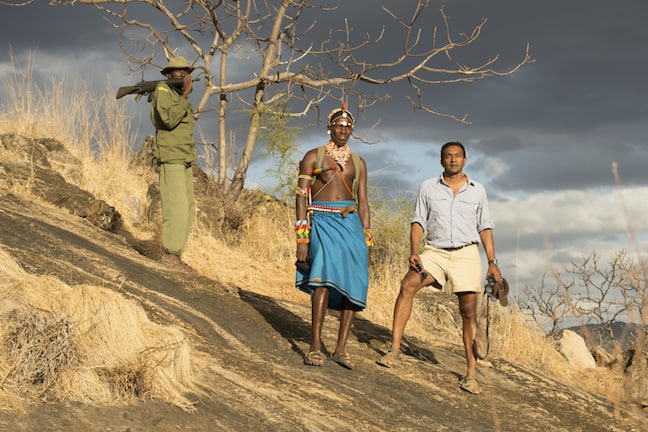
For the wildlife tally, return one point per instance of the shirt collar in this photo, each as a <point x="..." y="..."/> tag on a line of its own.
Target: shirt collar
<point x="468" y="180"/>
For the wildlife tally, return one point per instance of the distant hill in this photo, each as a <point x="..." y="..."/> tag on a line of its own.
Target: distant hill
<point x="608" y="337"/>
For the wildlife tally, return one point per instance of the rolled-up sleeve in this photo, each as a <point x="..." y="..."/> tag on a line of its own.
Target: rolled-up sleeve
<point x="421" y="209"/>
<point x="484" y="220"/>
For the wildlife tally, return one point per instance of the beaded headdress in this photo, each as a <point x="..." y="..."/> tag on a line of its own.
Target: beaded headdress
<point x="340" y="112"/>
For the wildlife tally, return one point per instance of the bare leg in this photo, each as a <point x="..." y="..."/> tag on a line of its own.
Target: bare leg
<point x="318" y="312"/>
<point x="468" y="310"/>
<point x="410" y="285"/>
<point x="346" y="320"/>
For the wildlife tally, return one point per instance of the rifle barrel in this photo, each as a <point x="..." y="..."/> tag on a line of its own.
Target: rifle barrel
<point x="144" y="87"/>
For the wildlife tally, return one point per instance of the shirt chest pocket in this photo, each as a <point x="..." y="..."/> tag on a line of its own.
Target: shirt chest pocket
<point x="465" y="205"/>
<point x="440" y="209"/>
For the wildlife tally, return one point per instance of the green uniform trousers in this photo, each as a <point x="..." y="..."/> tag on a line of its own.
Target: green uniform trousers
<point x="178" y="206"/>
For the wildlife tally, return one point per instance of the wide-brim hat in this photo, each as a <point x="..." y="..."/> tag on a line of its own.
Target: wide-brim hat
<point x="178" y="62"/>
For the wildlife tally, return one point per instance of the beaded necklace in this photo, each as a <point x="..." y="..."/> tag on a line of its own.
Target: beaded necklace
<point x="339" y="154"/>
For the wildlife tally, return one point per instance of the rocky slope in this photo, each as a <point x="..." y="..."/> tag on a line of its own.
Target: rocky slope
<point x="255" y="378"/>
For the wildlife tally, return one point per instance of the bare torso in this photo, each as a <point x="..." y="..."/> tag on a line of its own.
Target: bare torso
<point x="329" y="185"/>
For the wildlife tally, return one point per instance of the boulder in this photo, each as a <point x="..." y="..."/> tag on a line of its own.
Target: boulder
<point x="573" y="348"/>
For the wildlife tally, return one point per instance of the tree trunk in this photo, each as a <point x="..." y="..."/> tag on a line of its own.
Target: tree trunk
<point x="238" y="180"/>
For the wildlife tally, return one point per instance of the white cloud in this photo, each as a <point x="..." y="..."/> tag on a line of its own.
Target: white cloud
<point x="594" y="213"/>
<point x="550" y="229"/>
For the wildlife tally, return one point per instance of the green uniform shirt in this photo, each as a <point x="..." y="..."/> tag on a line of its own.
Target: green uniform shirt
<point x="172" y="117"/>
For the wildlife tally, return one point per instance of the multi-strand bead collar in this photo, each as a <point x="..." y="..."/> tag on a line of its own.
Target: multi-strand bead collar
<point x="339" y="154"/>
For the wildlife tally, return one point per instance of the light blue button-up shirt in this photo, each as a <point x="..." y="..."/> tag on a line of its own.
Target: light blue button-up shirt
<point x="452" y="221"/>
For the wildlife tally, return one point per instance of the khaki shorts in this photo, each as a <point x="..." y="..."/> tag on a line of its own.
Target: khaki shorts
<point x="455" y="271"/>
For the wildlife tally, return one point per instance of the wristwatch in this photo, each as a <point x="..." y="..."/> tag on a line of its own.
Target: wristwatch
<point x="493" y="261"/>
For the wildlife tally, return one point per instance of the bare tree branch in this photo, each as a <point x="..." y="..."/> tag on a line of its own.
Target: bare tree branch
<point x="600" y="295"/>
<point x="24" y="3"/>
<point x="294" y="67"/>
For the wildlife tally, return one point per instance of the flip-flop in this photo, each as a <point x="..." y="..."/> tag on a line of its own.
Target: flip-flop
<point x="391" y="359"/>
<point x="469" y="384"/>
<point x="314" y="358"/>
<point x="342" y="359"/>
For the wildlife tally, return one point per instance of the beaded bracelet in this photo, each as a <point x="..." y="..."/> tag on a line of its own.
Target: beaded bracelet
<point x="368" y="237"/>
<point x="302" y="231"/>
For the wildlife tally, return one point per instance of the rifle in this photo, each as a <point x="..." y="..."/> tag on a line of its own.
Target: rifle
<point x="146" y="87"/>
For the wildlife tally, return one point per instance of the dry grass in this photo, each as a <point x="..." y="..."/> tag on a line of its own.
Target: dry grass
<point x="514" y="339"/>
<point x="104" y="350"/>
<point x="257" y="256"/>
<point x="95" y="128"/>
<point x="85" y="343"/>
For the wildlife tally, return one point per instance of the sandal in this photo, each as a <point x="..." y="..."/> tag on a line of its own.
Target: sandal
<point x="391" y="359"/>
<point x="469" y="384"/>
<point x="314" y="358"/>
<point x="342" y="359"/>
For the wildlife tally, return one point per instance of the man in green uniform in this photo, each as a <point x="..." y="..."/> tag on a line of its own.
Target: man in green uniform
<point x="175" y="151"/>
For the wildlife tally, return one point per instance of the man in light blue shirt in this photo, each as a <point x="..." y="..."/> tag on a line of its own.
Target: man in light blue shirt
<point x="453" y="210"/>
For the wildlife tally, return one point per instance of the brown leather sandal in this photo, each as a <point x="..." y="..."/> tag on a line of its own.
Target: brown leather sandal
<point x="342" y="359"/>
<point x="469" y="384"/>
<point x="314" y="358"/>
<point x="391" y="359"/>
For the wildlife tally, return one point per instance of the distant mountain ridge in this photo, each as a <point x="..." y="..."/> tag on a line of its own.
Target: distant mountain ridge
<point x="608" y="336"/>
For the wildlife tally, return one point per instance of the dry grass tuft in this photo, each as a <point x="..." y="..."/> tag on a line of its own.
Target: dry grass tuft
<point x="514" y="339"/>
<point x="87" y="344"/>
<point x="257" y="255"/>
<point x="38" y="346"/>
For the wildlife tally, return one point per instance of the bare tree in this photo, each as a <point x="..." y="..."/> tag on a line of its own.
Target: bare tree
<point x="607" y="293"/>
<point x="597" y="294"/>
<point x="548" y="304"/>
<point x="295" y="68"/>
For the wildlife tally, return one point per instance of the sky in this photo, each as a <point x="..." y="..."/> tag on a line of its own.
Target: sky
<point x="543" y="141"/>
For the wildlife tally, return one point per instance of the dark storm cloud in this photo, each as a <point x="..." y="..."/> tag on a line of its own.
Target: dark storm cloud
<point x="586" y="75"/>
<point x="55" y="30"/>
<point x="558" y="122"/>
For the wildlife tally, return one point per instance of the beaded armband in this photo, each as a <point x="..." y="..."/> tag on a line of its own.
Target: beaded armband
<point x="303" y="191"/>
<point x="302" y="231"/>
<point x="368" y="237"/>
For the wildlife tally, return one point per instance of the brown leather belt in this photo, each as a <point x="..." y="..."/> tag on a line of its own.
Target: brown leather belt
<point x="452" y="249"/>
